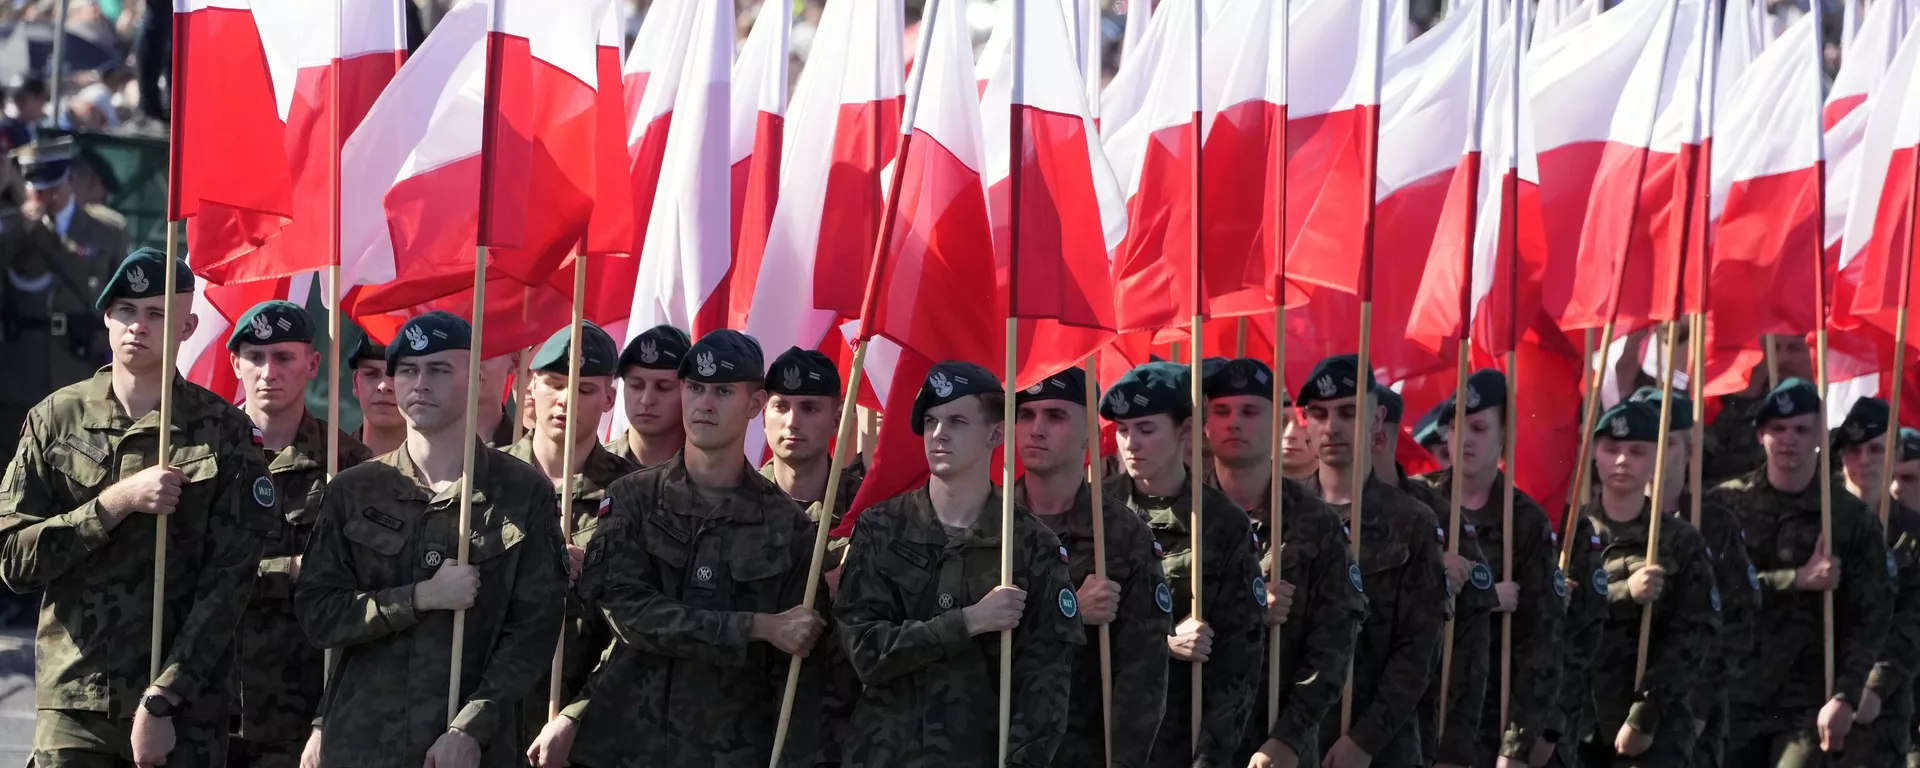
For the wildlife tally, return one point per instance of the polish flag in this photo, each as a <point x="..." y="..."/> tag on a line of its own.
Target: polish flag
<point x="610" y="227"/>
<point x="1155" y="153"/>
<point x="1741" y="43"/>
<point x="1880" y="225"/>
<point x="1871" y="51"/>
<point x="203" y="358"/>
<point x="1564" y="15"/>
<point x="229" y="132"/>
<point x="1126" y="94"/>
<point x="758" y="127"/>
<point x="1139" y="15"/>
<point x="1244" y="81"/>
<point x="1333" y="124"/>
<point x="1854" y="349"/>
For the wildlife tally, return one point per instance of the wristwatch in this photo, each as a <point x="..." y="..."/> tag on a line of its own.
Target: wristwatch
<point x="156" y="705"/>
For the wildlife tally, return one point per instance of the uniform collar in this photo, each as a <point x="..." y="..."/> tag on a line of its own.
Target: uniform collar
<point x="402" y="461"/>
<point x="924" y="525"/>
<point x="1079" y="515"/>
<point x="745" y="503"/>
<point x="597" y="471"/>
<point x="103" y="411"/>
<point x="307" y="451"/>
<point x="1120" y="487"/>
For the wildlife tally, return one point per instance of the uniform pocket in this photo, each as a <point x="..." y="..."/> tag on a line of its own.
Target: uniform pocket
<point x="85" y="470"/>
<point x="378" y="531"/>
<point x="494" y="541"/>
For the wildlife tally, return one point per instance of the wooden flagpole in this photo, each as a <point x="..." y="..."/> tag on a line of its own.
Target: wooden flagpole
<point x="168" y="340"/>
<point x="1821" y="298"/>
<point x="1363" y="373"/>
<point x="1194" y="355"/>
<point x="1017" y="143"/>
<point x="567" y="487"/>
<point x="1659" y="495"/>
<point x="1276" y="507"/>
<point x="466" y="467"/>
<point x="1100" y="549"/>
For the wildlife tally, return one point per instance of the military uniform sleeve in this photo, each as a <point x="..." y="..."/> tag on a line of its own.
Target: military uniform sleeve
<point x="523" y="652"/>
<point x="1333" y="610"/>
<point x="1536" y="630"/>
<point x="40" y="543"/>
<point x="1901" y="649"/>
<point x="225" y="582"/>
<point x="1231" y="676"/>
<point x="1689" y="620"/>
<point x="1422" y="612"/>
<point x="1139" y="640"/>
<point x="1580" y="641"/>
<point x="1472" y="644"/>
<point x="333" y="610"/>
<point x="811" y="739"/>
<point x="618" y="582"/>
<point x="1043" y="649"/>
<point x="1739" y="596"/>
<point x="880" y="645"/>
<point x="1865" y="603"/>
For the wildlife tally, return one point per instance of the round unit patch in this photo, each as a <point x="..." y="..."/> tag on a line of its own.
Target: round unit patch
<point x="1069" y="606"/>
<point x="1260" y="591"/>
<point x="1753" y="576"/>
<point x="704" y="573"/>
<point x="1481" y="576"/>
<point x="263" y="492"/>
<point x="946" y="602"/>
<point x="432" y="559"/>
<point x="1713" y="596"/>
<point x="1353" y="576"/>
<point x="1163" y="597"/>
<point x="1600" y="581"/>
<point x="1560" y="583"/>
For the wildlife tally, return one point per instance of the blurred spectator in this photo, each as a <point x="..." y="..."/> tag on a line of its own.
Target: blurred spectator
<point x="26" y="107"/>
<point x="91" y="110"/>
<point x="153" y="56"/>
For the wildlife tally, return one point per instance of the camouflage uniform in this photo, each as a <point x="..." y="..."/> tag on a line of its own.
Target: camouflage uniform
<point x="92" y="648"/>
<point x="586" y="637"/>
<point x="1686" y="623"/>
<point x="1405" y="582"/>
<point x="850" y="477"/>
<point x="1888" y="739"/>
<point x="1731" y="444"/>
<point x="53" y="337"/>
<point x="1739" y="586"/>
<point x="1580" y="640"/>
<point x="1473" y="604"/>
<point x="502" y="437"/>
<point x="931" y="690"/>
<point x="382" y="531"/>
<point x="1773" y="712"/>
<point x="623" y="449"/>
<point x="281" y="679"/>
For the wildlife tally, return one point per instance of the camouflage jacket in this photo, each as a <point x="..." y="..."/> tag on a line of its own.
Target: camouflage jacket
<point x="850" y="478"/>
<point x="1316" y="643"/>
<point x="1739" y="585"/>
<point x="1405" y="581"/>
<point x="1138" y="634"/>
<point x="623" y="449"/>
<point x="382" y="531"/>
<point x="931" y="689"/>
<point x="1730" y="446"/>
<point x="1581" y="636"/>
<point x="281" y="678"/>
<point x="1455" y="742"/>
<point x="1233" y="603"/>
<point x="1893" y="674"/>
<point x="584" y="636"/>
<point x="1782" y="529"/>
<point x="1685" y="623"/>
<point x="91" y="652"/>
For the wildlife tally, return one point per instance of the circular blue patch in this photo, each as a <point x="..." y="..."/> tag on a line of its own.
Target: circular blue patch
<point x="1353" y="576"/>
<point x="1069" y="606"/>
<point x="1163" y="597"/>
<point x="1481" y="576"/>
<point x="1260" y="591"/>
<point x="1893" y="567"/>
<point x="1753" y="576"/>
<point x="1600" y="581"/>
<point x="1713" y="596"/>
<point x="1559" y="584"/>
<point x="263" y="491"/>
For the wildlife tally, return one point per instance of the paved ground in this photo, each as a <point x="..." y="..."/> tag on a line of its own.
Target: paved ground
<point x="16" y="696"/>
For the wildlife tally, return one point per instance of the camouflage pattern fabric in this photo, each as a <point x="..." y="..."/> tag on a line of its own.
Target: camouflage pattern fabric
<point x="1580" y="641"/>
<point x="1473" y="604"/>
<point x="1888" y="739"/>
<point x="1739" y="586"/>
<point x="67" y="738"/>
<point x="1730" y="446"/>
<point x="850" y="478"/>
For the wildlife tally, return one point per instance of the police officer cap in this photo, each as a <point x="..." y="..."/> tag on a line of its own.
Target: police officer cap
<point x="599" y="355"/>
<point x="804" y="372"/>
<point x="1486" y="388"/>
<point x="1909" y="444"/>
<point x="271" y="322"/>
<point x="365" y="348"/>
<point x="1865" y="421"/>
<point x="1147" y="390"/>
<point x="947" y="382"/>
<point x="1426" y="431"/>
<point x="1334" y="378"/>
<point x="1794" y="397"/>
<point x="660" y="348"/>
<point x="1681" y="416"/>
<point x="1069" y="385"/>
<point x="429" y="334"/>
<point x="1391" y="402"/>
<point x="1240" y="376"/>
<point x="46" y="163"/>
<point x="1630" y="420"/>
<point x="140" y="276"/>
<point x="725" y="356"/>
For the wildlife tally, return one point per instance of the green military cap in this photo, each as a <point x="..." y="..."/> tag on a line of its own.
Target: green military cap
<point x="947" y="382"/>
<point x="1630" y="420"/>
<point x="1149" y="389"/>
<point x="724" y="356"/>
<point x="1486" y="388"/>
<point x="365" y="348"/>
<point x="803" y="372"/>
<point x="1220" y="377"/>
<point x="271" y="322"/>
<point x="1391" y="402"/>
<point x="431" y="333"/>
<point x="1866" y="420"/>
<point x="1069" y="385"/>
<point x="1334" y="378"/>
<point x="660" y="348"/>
<point x="1681" y="417"/>
<point x="598" y="354"/>
<point x="1794" y="397"/>
<point x="1909" y="444"/>
<point x="139" y="276"/>
<point x="1426" y="431"/>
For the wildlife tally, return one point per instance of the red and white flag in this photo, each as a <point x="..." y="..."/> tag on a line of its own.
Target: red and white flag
<point x="1853" y="349"/>
<point x="203" y="357"/>
<point x="1126" y="93"/>
<point x="228" y="130"/>
<point x="1882" y="28"/>
<point x="758" y="128"/>
<point x="1880" y="224"/>
<point x="1333" y="123"/>
<point x="1244" y="82"/>
<point x="1139" y="14"/>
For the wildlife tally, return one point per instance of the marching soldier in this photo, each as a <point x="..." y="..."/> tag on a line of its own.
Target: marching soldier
<point x="803" y="408"/>
<point x="920" y="608"/>
<point x="1433" y="437"/>
<point x="1535" y="593"/>
<point x="1648" y="722"/>
<point x="1400" y="569"/>
<point x="650" y="384"/>
<point x="496" y="425"/>
<point x="381" y="580"/>
<point x="1316" y="640"/>
<point x="281" y="675"/>
<point x="1783" y="716"/>
<point x="1297" y="459"/>
<point x="57" y="264"/>
<point x="382" y="428"/>
<point x="593" y="471"/>
<point x="1861" y="442"/>
<point x="1887" y="739"/>
<point x="79" y="512"/>
<point x="1731" y="448"/>
<point x="1133" y="599"/>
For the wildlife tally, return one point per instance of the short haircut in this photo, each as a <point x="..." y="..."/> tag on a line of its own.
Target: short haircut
<point x="995" y="404"/>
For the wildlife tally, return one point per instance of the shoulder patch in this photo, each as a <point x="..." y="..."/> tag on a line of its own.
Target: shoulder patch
<point x="605" y="506"/>
<point x="1599" y="579"/>
<point x="1260" y="591"/>
<point x="1893" y="566"/>
<point x="1063" y="554"/>
<point x="1713" y="597"/>
<point x="1467" y="530"/>
<point x="263" y="491"/>
<point x="1440" y="533"/>
<point x="1560" y="583"/>
<point x="259" y="438"/>
<point x="1159" y="551"/>
<point x="1481" y="576"/>
<point x="1069" y="606"/>
<point x="1163" y="597"/>
<point x="1353" y="577"/>
<point x="1593" y="542"/>
<point x="1753" y="576"/>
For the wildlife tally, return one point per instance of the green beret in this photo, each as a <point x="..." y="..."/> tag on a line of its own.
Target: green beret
<point x="365" y="348"/>
<point x="1334" y="378"/>
<point x="660" y="348"/>
<point x="428" y="334"/>
<point x="1909" y="444"/>
<point x="271" y="322"/>
<point x="1682" y="416"/>
<point x="139" y="276"/>
<point x="1241" y="376"/>
<point x="1069" y="385"/>
<point x="947" y="382"/>
<point x="1630" y="420"/>
<point x="598" y="353"/>
<point x="1391" y="402"/>
<point x="1794" y="397"/>
<point x="1865" y="421"/>
<point x="725" y="356"/>
<point x="1157" y="387"/>
<point x="804" y="372"/>
<point x="1427" y="431"/>
<point x="1486" y="389"/>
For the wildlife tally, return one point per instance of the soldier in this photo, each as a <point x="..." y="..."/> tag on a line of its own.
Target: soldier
<point x="496" y="426"/>
<point x="650" y="382"/>
<point x="1647" y="722"/>
<point x="382" y="429"/>
<point x="385" y="580"/>
<point x="1775" y="713"/>
<point x="1431" y="436"/>
<point x="1534" y="593"/>
<point x="593" y="471"/>
<point x="1731" y="448"/>
<point x="1133" y="600"/>
<point x="803" y="408"/>
<point x="1297" y="459"/>
<point x="55" y="266"/>
<point x="79" y="511"/>
<point x="920" y="606"/>
<point x="1888" y="738"/>
<point x="1400" y="569"/>
<point x="281" y="675"/>
<point x="1861" y="442"/>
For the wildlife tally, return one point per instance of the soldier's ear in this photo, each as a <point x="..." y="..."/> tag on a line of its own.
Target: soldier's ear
<point x="998" y="435"/>
<point x="193" y="323"/>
